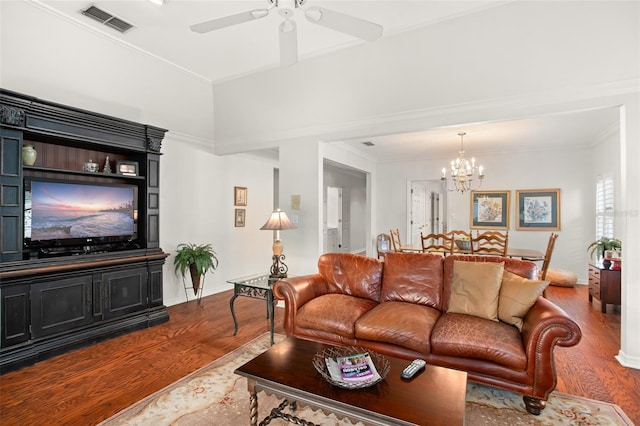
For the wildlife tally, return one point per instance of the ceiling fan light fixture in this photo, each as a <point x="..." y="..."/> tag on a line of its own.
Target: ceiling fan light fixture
<point x="287" y="30"/>
<point x="287" y="26"/>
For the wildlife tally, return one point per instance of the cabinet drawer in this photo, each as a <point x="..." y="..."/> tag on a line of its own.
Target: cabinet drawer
<point x="594" y="272"/>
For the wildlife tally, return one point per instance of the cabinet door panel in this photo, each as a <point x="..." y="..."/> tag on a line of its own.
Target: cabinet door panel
<point x="15" y="315"/>
<point x="11" y="214"/>
<point x="60" y="305"/>
<point x="125" y="292"/>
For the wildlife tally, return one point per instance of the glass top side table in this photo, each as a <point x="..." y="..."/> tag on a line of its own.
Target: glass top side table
<point x="258" y="286"/>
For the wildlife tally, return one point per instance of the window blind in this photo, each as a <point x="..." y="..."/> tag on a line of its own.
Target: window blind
<point x="604" y="206"/>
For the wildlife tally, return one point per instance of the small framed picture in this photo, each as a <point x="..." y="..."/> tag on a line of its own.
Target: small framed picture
<point x="490" y="209"/>
<point x="240" y="217"/>
<point x="127" y="168"/>
<point x="538" y="209"/>
<point x="239" y="196"/>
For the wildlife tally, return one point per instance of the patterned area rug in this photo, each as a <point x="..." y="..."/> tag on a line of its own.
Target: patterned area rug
<point x="214" y="395"/>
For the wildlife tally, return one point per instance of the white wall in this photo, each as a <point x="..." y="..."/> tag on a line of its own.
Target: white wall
<point x="301" y="174"/>
<point x="197" y="205"/>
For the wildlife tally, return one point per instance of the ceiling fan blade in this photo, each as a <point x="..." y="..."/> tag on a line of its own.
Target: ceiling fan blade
<point x="288" y="43"/>
<point x="227" y="21"/>
<point x="344" y="23"/>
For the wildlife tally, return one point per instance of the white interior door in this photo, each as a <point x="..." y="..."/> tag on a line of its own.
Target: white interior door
<point x="427" y="209"/>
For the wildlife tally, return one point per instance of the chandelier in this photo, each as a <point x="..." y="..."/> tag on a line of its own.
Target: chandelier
<point x="462" y="172"/>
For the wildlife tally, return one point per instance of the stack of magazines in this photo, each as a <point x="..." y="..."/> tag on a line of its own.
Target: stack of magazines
<point x="358" y="368"/>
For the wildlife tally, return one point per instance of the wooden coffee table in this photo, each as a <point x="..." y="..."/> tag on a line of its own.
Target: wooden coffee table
<point x="435" y="396"/>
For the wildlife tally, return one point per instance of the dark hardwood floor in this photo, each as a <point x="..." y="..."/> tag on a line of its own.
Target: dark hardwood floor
<point x="88" y="385"/>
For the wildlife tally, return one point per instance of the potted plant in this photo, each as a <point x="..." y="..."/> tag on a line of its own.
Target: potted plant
<point x="198" y="259"/>
<point x="602" y="244"/>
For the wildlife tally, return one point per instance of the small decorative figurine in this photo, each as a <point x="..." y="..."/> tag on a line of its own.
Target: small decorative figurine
<point x="107" y="167"/>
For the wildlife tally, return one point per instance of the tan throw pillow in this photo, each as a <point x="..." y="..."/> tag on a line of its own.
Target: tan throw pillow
<point x="517" y="296"/>
<point x="475" y="289"/>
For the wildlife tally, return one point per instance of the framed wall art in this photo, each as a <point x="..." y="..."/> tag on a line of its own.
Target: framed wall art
<point x="538" y="209"/>
<point x="490" y="209"/>
<point x="240" y="218"/>
<point x="239" y="196"/>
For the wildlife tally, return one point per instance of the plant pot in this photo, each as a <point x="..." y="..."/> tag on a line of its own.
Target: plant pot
<point x="195" y="278"/>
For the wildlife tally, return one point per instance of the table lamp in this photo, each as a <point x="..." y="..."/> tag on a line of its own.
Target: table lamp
<point x="278" y="221"/>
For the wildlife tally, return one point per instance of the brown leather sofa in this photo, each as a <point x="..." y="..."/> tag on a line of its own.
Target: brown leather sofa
<point x="399" y="307"/>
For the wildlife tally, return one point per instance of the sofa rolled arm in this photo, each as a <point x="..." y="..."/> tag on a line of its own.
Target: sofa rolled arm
<point x="545" y="326"/>
<point x="296" y="291"/>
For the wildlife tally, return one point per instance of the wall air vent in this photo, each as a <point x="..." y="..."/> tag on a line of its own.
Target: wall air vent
<point x="107" y="19"/>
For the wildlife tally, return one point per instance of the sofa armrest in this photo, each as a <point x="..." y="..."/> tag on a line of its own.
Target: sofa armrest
<point x="296" y="291"/>
<point x="545" y="326"/>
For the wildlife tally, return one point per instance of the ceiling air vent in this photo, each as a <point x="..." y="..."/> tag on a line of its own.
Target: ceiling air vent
<point x="368" y="143"/>
<point x="107" y="19"/>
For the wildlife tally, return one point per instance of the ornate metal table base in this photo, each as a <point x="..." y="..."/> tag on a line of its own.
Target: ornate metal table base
<point x="277" y="413"/>
<point x="256" y="287"/>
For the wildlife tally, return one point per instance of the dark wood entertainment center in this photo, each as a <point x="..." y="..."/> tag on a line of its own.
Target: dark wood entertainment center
<point x="57" y="300"/>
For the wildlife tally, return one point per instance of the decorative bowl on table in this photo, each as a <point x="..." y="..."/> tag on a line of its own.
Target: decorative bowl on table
<point x="464" y="244"/>
<point x="381" y="364"/>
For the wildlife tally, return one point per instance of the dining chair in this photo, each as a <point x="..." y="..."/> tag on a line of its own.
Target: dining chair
<point x="490" y="242"/>
<point x="546" y="260"/>
<point x="438" y="243"/>
<point x="395" y="240"/>
<point x="383" y="245"/>
<point x="458" y="234"/>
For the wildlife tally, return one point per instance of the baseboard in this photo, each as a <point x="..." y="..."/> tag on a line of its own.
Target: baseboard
<point x="628" y="361"/>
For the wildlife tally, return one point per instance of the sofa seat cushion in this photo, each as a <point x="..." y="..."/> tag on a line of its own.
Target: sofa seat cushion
<point x="334" y="313"/>
<point x="404" y="324"/>
<point x="468" y="336"/>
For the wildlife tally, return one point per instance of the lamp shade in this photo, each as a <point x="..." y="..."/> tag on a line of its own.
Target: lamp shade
<point x="278" y="221"/>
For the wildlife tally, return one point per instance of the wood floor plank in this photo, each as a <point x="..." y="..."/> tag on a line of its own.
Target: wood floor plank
<point x="91" y="384"/>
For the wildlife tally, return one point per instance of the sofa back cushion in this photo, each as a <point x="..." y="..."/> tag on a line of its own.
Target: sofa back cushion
<point x="351" y="274"/>
<point x="524" y="268"/>
<point x="412" y="278"/>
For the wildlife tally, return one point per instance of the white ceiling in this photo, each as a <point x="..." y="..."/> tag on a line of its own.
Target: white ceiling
<point x="251" y="46"/>
<point x="163" y="31"/>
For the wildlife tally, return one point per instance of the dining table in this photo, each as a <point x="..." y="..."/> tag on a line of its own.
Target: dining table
<point x="522" y="253"/>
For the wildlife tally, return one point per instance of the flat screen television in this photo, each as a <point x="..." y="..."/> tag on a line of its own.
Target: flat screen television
<point x="64" y="214"/>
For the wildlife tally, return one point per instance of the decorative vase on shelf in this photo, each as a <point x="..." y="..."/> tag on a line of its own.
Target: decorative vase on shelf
<point x="29" y="155"/>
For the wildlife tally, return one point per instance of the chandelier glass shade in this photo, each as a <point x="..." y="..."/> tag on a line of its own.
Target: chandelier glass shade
<point x="462" y="172"/>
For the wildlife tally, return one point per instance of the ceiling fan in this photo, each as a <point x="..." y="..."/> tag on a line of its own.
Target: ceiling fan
<point x="287" y="30"/>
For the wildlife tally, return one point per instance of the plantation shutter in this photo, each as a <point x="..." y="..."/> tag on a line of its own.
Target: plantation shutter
<point x="604" y="206"/>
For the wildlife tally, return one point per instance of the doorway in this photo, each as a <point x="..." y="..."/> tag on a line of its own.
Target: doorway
<point x="333" y="240"/>
<point x="427" y="209"/>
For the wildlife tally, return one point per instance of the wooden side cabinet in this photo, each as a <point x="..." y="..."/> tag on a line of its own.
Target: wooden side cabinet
<point x="604" y="285"/>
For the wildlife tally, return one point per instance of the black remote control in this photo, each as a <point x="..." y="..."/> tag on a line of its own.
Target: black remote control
<point x="413" y="368"/>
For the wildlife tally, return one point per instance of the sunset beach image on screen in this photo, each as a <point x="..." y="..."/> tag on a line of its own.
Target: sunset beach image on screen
<point x="61" y="210"/>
